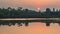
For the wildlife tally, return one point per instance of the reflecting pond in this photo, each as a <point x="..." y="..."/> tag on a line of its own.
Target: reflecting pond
<point x="36" y="26"/>
<point x="33" y="28"/>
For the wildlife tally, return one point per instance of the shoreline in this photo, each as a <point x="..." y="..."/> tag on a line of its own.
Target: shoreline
<point x="29" y="18"/>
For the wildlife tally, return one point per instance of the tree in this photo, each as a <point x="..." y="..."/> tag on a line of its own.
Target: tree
<point x="9" y="8"/>
<point x="53" y="9"/>
<point x="48" y="10"/>
<point x="19" y="8"/>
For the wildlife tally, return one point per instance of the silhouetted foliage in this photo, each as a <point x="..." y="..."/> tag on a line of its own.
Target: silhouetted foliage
<point x="26" y="13"/>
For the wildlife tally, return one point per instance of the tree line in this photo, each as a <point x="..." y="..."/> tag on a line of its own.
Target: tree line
<point x="26" y="13"/>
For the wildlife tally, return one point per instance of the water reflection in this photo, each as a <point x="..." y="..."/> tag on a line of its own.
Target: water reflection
<point x="26" y="22"/>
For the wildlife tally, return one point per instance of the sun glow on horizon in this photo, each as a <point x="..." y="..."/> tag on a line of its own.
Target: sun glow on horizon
<point x="38" y="8"/>
<point x="30" y="3"/>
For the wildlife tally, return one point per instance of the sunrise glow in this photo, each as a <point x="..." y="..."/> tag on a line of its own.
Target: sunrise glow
<point x="38" y="8"/>
<point x="18" y="17"/>
<point x="30" y="3"/>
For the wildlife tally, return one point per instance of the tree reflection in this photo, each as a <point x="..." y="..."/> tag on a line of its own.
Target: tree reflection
<point x="48" y="23"/>
<point x="26" y="22"/>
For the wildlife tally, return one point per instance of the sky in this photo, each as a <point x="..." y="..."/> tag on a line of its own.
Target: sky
<point x="31" y="4"/>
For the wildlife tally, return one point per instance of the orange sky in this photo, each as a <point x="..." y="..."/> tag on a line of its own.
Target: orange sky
<point x="30" y="3"/>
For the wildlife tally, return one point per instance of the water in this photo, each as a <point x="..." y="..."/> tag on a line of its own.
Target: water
<point x="33" y="28"/>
